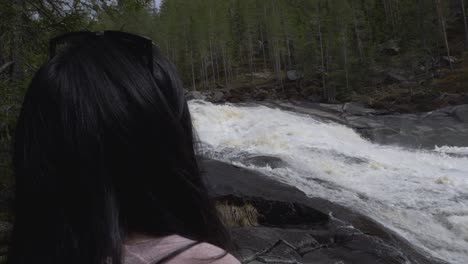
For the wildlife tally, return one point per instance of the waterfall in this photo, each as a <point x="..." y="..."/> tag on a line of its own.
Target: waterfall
<point x="421" y="194"/>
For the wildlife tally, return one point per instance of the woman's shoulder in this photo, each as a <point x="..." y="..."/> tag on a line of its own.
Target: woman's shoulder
<point x="205" y="253"/>
<point x="177" y="250"/>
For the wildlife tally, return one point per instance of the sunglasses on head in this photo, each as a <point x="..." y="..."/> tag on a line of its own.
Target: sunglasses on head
<point x="141" y="46"/>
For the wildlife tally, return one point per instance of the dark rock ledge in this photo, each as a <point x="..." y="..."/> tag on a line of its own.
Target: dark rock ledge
<point x="275" y="223"/>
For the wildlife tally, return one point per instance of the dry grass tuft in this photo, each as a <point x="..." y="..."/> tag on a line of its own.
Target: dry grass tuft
<point x="237" y="216"/>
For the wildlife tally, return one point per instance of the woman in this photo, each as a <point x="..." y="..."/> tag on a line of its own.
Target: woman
<point x="104" y="161"/>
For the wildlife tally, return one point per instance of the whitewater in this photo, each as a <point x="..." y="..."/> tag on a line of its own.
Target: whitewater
<point x="420" y="194"/>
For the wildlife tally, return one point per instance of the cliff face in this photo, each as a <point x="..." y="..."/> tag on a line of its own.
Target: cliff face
<point x="277" y="223"/>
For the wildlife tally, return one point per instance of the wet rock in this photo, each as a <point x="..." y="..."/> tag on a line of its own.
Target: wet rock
<point x="361" y="249"/>
<point x="195" y="95"/>
<point x="265" y="161"/>
<point x="461" y="113"/>
<point x="393" y="77"/>
<point x="358" y="109"/>
<point x="359" y="122"/>
<point x="452" y="99"/>
<point x="217" y="97"/>
<point x="390" y="48"/>
<point x="313" y="98"/>
<point x="294" y="75"/>
<point x="447" y="60"/>
<point x="293" y="228"/>
<point x="260" y="95"/>
<point x="272" y="243"/>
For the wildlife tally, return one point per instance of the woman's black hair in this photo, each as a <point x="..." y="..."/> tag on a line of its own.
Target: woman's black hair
<point x="104" y="148"/>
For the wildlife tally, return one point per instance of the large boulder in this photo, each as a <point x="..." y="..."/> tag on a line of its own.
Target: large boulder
<point x="195" y="95"/>
<point x="461" y="113"/>
<point x="285" y="226"/>
<point x="390" y="47"/>
<point x="294" y="75"/>
<point x="217" y="97"/>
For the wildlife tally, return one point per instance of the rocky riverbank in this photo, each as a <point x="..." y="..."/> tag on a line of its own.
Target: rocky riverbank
<point x="277" y="223"/>
<point x="393" y="97"/>
<point x="443" y="127"/>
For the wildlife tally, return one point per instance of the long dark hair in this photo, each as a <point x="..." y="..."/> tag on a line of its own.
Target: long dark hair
<point x="104" y="148"/>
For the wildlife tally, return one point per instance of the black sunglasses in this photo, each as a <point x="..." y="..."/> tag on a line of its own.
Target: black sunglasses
<point x="141" y="46"/>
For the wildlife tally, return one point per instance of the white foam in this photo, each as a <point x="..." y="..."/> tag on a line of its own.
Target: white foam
<point x="452" y="150"/>
<point x="423" y="195"/>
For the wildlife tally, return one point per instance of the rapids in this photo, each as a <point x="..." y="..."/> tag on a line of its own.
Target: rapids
<point x="421" y="194"/>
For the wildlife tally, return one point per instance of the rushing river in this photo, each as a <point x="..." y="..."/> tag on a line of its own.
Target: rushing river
<point x="422" y="195"/>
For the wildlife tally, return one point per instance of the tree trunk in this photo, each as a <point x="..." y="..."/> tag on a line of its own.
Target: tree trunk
<point x="211" y="36"/>
<point x="322" y="54"/>
<point x="218" y="77"/>
<point x="393" y="18"/>
<point x="267" y="38"/>
<point x="345" y="54"/>
<point x="5" y="66"/>
<point x="17" y="73"/>
<point x="263" y="50"/>
<point x="205" y="73"/>
<point x="207" y="79"/>
<point x="286" y="38"/>
<point x="289" y="53"/>
<point x="212" y="63"/>
<point x="174" y="55"/>
<point x="202" y="74"/>
<point x="225" y="66"/>
<point x="422" y="34"/>
<point x="190" y="51"/>
<point x="358" y="36"/>
<point x="331" y="90"/>
<point x="385" y="6"/>
<point x="464" y="22"/>
<point x="389" y="17"/>
<point x="168" y="55"/>
<point x="370" y="29"/>
<point x="250" y="56"/>
<point x="444" y="30"/>
<point x="229" y="65"/>
<point x="277" y="66"/>
<point x="194" y="84"/>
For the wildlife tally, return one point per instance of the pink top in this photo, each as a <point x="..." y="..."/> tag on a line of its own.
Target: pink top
<point x="150" y="250"/>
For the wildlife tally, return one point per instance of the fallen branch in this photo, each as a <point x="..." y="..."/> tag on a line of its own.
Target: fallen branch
<point x="5" y="66"/>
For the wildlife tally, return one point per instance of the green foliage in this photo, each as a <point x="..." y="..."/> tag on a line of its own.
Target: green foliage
<point x="214" y="42"/>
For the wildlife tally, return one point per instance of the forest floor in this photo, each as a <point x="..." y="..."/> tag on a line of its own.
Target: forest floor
<point x="448" y="88"/>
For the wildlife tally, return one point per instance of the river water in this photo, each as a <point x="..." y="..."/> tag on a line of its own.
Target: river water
<point x="420" y="194"/>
